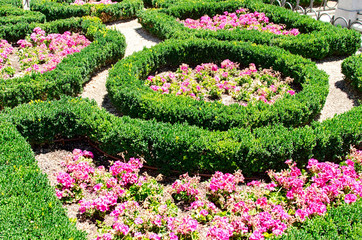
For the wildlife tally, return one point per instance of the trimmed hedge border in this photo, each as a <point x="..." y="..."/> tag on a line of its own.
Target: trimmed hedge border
<point x="352" y="69"/>
<point x="183" y="147"/>
<point x="129" y="94"/>
<point x="343" y="222"/>
<point x="28" y="206"/>
<point x="12" y="15"/>
<point x="318" y="39"/>
<point x="125" y="9"/>
<point x="69" y="76"/>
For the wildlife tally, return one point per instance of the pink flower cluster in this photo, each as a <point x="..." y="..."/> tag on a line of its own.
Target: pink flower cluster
<point x="41" y="52"/>
<point x="240" y="19"/>
<point x="208" y="81"/>
<point x="329" y="182"/>
<point x="5" y="51"/>
<point x="81" y="2"/>
<point x="185" y="188"/>
<point x="73" y="181"/>
<point x="224" y="209"/>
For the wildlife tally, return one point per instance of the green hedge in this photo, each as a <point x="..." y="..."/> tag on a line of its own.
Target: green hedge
<point x="128" y="92"/>
<point x="28" y="206"/>
<point x="107" y="12"/>
<point x="352" y="69"/>
<point x="183" y="147"/>
<point x="69" y="76"/>
<point x="317" y="39"/>
<point x="12" y="15"/>
<point x="342" y="222"/>
<point x="16" y="3"/>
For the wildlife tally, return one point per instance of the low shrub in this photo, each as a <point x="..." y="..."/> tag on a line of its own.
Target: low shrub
<point x="15" y="3"/>
<point x="132" y="97"/>
<point x="106" y="12"/>
<point x="343" y="222"/>
<point x="352" y="69"/>
<point x="70" y="75"/>
<point x="317" y="39"/>
<point x="28" y="206"/>
<point x="12" y="15"/>
<point x="187" y="148"/>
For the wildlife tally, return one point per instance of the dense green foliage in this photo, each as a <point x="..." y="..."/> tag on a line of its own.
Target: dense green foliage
<point x="317" y="39"/>
<point x="107" y="12"/>
<point x="184" y="147"/>
<point x="28" y="206"/>
<point x="343" y="222"/>
<point x="129" y="94"/>
<point x="15" y="3"/>
<point x="352" y="69"/>
<point x="70" y="75"/>
<point x="12" y="15"/>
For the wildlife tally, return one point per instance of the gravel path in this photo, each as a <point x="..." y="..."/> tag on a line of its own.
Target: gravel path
<point x="136" y="39"/>
<point x="341" y="97"/>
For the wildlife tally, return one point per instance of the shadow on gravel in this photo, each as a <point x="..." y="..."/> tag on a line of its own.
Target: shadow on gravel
<point x="352" y="94"/>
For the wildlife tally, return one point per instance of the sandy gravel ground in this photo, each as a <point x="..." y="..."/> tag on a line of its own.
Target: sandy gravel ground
<point x="341" y="97"/>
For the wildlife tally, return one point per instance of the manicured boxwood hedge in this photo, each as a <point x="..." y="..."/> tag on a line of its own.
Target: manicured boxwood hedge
<point x="69" y="76"/>
<point x="107" y="12"/>
<point x="188" y="148"/>
<point x="12" y="15"/>
<point x="318" y="39"/>
<point x="352" y="69"/>
<point x="28" y="206"/>
<point x="132" y="97"/>
<point x="343" y="222"/>
<point x="16" y="3"/>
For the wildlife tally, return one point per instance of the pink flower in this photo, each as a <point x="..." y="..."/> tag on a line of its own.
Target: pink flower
<point x="291" y="92"/>
<point x="97" y="187"/>
<point x="350" y="198"/>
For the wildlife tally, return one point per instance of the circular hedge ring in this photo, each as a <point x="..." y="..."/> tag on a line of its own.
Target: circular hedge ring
<point x="317" y="39"/>
<point x="69" y="76"/>
<point x="129" y="94"/>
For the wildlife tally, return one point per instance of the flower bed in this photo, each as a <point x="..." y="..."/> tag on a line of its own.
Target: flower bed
<point x="143" y="208"/>
<point x="41" y="53"/>
<point x="107" y="12"/>
<point x="316" y="39"/>
<point x="239" y="19"/>
<point x="72" y="72"/>
<point x="129" y="94"/>
<point x="5" y="51"/>
<point x="209" y="82"/>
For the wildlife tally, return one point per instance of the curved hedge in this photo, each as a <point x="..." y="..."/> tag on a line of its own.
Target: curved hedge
<point x="68" y="77"/>
<point x="317" y="39"/>
<point x="106" y="12"/>
<point x="352" y="69"/>
<point x="12" y="15"/>
<point x="129" y="94"/>
<point x="29" y="208"/>
<point x="183" y="147"/>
